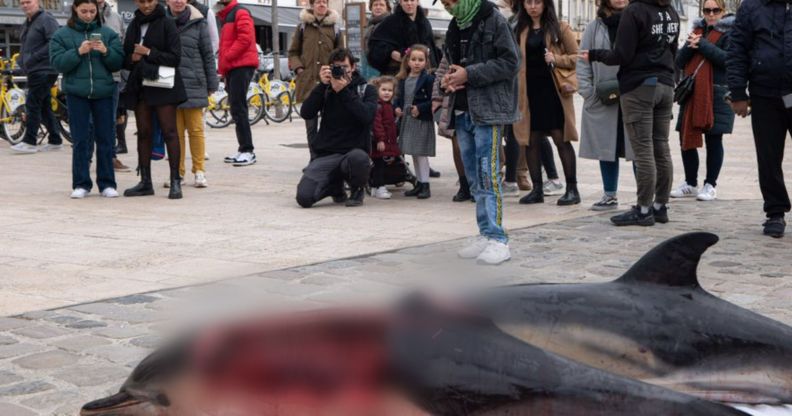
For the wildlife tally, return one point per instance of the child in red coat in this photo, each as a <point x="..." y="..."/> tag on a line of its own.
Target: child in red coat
<point x="385" y="140"/>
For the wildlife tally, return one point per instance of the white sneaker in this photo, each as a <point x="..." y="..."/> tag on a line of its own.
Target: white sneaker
<point x="510" y="189"/>
<point x="109" y="193"/>
<point x="200" y="179"/>
<point x="495" y="253"/>
<point x="382" y="193"/>
<point x="206" y="156"/>
<point x="80" y="193"/>
<point x="24" y="148"/>
<point x="707" y="193"/>
<point x="552" y="187"/>
<point x="475" y="248"/>
<point x="229" y="159"/>
<point x="684" y="191"/>
<point x="245" y="159"/>
<point x="51" y="148"/>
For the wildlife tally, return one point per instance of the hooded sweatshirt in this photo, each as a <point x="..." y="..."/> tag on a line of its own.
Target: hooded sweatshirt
<point x="646" y="44"/>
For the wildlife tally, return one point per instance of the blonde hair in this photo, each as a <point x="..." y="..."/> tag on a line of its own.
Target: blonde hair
<point x="720" y="3"/>
<point x="385" y="79"/>
<point x="404" y="71"/>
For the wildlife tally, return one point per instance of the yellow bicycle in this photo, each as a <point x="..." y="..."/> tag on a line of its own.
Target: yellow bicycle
<point x="12" y="103"/>
<point x="274" y="98"/>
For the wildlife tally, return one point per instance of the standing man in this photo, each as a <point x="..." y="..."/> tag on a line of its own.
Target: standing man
<point x="482" y="77"/>
<point x="36" y="34"/>
<point x="760" y="58"/>
<point x="237" y="62"/>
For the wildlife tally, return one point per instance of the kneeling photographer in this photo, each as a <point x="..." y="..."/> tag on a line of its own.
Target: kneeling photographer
<point x="347" y="107"/>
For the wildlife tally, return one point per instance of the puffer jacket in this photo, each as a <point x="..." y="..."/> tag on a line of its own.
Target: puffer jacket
<point x="89" y="75"/>
<point x="197" y="65"/>
<point x="237" y="38"/>
<point x="384" y="130"/>
<point x="760" y="50"/>
<point x="35" y="37"/>
<point x="310" y="49"/>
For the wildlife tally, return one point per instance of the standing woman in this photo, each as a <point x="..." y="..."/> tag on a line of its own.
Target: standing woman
<point x="602" y="129"/>
<point x="152" y="41"/>
<point x="705" y="112"/>
<point x="380" y="9"/>
<point x="547" y="73"/>
<point x="407" y="26"/>
<point x="197" y="68"/>
<point x="87" y="54"/>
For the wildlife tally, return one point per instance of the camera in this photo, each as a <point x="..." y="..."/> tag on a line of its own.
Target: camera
<point x="337" y="71"/>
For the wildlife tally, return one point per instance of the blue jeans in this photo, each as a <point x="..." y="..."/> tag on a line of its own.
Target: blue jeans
<point x="39" y="108"/>
<point x="479" y="146"/>
<point x="87" y="118"/>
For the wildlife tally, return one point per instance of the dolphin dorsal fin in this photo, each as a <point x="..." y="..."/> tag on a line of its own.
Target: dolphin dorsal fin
<point x="673" y="262"/>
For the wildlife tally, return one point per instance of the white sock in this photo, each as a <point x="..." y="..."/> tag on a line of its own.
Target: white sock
<point x="644" y="210"/>
<point x="657" y="206"/>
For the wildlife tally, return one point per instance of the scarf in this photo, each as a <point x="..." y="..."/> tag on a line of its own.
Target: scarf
<point x="183" y="18"/>
<point x="464" y="12"/>
<point x="699" y="114"/>
<point x="612" y="23"/>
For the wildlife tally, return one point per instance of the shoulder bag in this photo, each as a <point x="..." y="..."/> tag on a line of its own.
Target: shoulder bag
<point x="684" y="89"/>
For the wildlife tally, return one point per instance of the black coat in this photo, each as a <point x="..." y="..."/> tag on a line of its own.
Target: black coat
<point x="422" y="98"/>
<point x="163" y="39"/>
<point x="397" y="33"/>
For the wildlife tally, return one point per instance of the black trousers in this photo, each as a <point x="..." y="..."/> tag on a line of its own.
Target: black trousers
<point x="325" y="176"/>
<point x="237" y="81"/>
<point x="771" y="122"/>
<point x="39" y="108"/>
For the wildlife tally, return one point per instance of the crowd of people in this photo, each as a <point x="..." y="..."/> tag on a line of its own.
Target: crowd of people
<point x="501" y="88"/>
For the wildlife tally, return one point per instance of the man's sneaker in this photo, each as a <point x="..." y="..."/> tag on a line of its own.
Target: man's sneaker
<point x="774" y="226"/>
<point x="707" y="193"/>
<point x="476" y="247"/>
<point x="51" y="148"/>
<point x="167" y="183"/>
<point x="200" y="179"/>
<point x="606" y="203"/>
<point x="660" y="215"/>
<point x="24" y="148"/>
<point x="510" y="189"/>
<point x="356" y="197"/>
<point x="634" y="217"/>
<point x="118" y="166"/>
<point x="495" y="253"/>
<point x="552" y="187"/>
<point x="109" y="193"/>
<point x="79" y="193"/>
<point x="382" y="193"/>
<point x="230" y="159"/>
<point x="245" y="159"/>
<point x="684" y="191"/>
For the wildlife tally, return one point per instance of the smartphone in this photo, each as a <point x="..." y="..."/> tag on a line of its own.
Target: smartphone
<point x="787" y="100"/>
<point x="95" y="37"/>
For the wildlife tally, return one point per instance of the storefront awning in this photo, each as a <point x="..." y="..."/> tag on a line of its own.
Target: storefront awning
<point x="288" y="17"/>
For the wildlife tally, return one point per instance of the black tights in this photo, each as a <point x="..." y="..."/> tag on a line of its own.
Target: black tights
<point x="690" y="159"/>
<point x="512" y="155"/>
<point x="566" y="152"/>
<point x="166" y="115"/>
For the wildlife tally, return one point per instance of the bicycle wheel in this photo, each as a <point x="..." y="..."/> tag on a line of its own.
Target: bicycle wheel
<point x="13" y="124"/>
<point x="280" y="108"/>
<point x="62" y="115"/>
<point x="256" y="104"/>
<point x="294" y="104"/>
<point x="219" y="116"/>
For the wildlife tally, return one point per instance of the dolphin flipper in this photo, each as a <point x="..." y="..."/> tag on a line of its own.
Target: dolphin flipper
<point x="673" y="262"/>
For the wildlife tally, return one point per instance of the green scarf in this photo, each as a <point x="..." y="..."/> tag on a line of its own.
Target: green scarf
<point x="464" y="12"/>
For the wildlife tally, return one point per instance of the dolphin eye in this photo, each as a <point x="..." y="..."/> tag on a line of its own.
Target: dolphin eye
<point x="162" y="399"/>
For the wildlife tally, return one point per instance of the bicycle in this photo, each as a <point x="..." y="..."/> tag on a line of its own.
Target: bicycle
<point x="218" y="112"/>
<point x="276" y="98"/>
<point x="12" y="103"/>
<point x="58" y="104"/>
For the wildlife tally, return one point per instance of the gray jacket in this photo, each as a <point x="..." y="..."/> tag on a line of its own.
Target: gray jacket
<point x="197" y="65"/>
<point x="35" y="38"/>
<point x="114" y="21"/>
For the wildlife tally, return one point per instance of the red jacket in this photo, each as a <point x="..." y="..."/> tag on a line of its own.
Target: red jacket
<point x="385" y="131"/>
<point x="237" y="39"/>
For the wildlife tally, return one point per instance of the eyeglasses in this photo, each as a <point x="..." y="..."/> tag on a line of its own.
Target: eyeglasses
<point x="716" y="10"/>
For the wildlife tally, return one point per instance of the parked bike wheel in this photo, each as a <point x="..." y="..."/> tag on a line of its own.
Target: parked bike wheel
<point x="219" y="116"/>
<point x="13" y="124"/>
<point x="256" y="105"/>
<point x="62" y="115"/>
<point x="280" y="108"/>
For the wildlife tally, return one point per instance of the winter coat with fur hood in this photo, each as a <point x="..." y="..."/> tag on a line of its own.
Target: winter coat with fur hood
<point x="310" y="48"/>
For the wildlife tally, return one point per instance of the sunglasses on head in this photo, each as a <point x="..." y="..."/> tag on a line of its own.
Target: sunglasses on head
<point x="716" y="10"/>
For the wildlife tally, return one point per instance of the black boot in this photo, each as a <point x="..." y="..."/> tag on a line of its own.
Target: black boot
<point x="463" y="194"/>
<point x="425" y="191"/>
<point x="536" y="196"/>
<point x="415" y="191"/>
<point x="175" y="186"/>
<point x="433" y="173"/>
<point x="144" y="187"/>
<point x="571" y="197"/>
<point x="121" y="147"/>
<point x="356" y="196"/>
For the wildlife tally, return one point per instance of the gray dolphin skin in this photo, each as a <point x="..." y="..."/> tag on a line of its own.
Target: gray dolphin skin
<point x="655" y="324"/>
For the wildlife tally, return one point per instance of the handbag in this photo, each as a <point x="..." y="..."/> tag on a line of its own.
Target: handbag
<point x="566" y="79"/>
<point x="166" y="78"/>
<point x="684" y="89"/>
<point x="608" y="92"/>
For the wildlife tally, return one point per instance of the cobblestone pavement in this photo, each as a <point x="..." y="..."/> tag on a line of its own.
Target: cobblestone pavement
<point x="53" y="361"/>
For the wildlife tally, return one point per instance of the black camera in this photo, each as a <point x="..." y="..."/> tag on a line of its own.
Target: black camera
<point x="337" y="71"/>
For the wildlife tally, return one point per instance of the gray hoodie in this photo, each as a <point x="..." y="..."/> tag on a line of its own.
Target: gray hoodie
<point x="36" y="34"/>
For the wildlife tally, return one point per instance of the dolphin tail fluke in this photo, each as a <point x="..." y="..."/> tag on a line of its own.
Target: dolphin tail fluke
<point x="673" y="262"/>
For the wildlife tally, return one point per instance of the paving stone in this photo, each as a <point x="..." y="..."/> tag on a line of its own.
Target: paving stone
<point x="51" y="399"/>
<point x="64" y="319"/>
<point x="8" y="351"/>
<point x="7" y="377"/>
<point x="41" y="331"/>
<point x="86" y="375"/>
<point x="134" y="299"/>
<point x="80" y="343"/>
<point x="8" y="409"/>
<point x="86" y="324"/>
<point x="122" y="332"/>
<point x="119" y="354"/>
<point x="6" y="340"/>
<point x="27" y="387"/>
<point x="13" y="323"/>
<point x="35" y="315"/>
<point x="149" y="341"/>
<point x="48" y="359"/>
<point x="117" y="312"/>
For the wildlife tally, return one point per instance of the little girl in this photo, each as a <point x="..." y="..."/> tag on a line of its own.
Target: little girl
<point x="414" y="106"/>
<point x="384" y="141"/>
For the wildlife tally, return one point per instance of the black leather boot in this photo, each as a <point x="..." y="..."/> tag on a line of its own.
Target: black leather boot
<point x="415" y="191"/>
<point x="463" y="194"/>
<point x="144" y="187"/>
<point x="356" y="196"/>
<point x="571" y="196"/>
<point x="536" y="196"/>
<point x="175" y="186"/>
<point x="121" y="147"/>
<point x="425" y="191"/>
